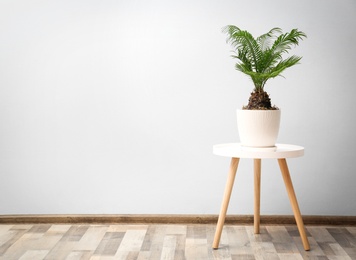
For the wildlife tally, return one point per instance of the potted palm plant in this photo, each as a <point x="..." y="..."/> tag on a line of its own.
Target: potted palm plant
<point x="261" y="59"/>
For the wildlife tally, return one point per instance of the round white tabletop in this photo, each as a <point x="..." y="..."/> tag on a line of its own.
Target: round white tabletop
<point x="238" y="151"/>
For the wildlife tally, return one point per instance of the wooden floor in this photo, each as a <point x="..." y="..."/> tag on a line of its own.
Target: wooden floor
<point x="47" y="241"/>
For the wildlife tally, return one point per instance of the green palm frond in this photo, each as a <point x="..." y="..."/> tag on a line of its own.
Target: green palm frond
<point x="282" y="65"/>
<point x="246" y="47"/>
<point x="261" y="58"/>
<point x="265" y="39"/>
<point x="285" y="41"/>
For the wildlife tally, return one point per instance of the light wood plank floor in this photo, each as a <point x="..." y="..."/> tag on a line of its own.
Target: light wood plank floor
<point x="47" y="241"/>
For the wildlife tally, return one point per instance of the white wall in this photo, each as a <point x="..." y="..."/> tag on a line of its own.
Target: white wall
<point x="113" y="106"/>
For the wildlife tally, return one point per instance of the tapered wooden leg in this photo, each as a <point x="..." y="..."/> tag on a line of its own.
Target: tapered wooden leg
<point x="257" y="170"/>
<point x="293" y="200"/>
<point x="225" y="202"/>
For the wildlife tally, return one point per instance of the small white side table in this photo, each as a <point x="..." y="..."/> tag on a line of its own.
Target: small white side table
<point x="236" y="151"/>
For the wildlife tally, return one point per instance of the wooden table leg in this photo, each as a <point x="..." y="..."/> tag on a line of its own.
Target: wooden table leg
<point x="293" y="200"/>
<point x="257" y="170"/>
<point x="225" y="202"/>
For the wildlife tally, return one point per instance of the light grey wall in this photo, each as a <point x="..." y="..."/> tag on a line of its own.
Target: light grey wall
<point x="113" y="106"/>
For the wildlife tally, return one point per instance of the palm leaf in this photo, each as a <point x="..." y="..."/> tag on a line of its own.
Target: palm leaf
<point x="285" y="41"/>
<point x="245" y="45"/>
<point x="265" y="39"/>
<point x="284" y="64"/>
<point x="261" y="58"/>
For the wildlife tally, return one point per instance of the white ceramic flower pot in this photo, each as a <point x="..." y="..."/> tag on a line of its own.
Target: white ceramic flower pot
<point x="258" y="128"/>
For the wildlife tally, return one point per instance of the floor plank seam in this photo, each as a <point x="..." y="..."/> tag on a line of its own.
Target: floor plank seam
<point x="179" y="241"/>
